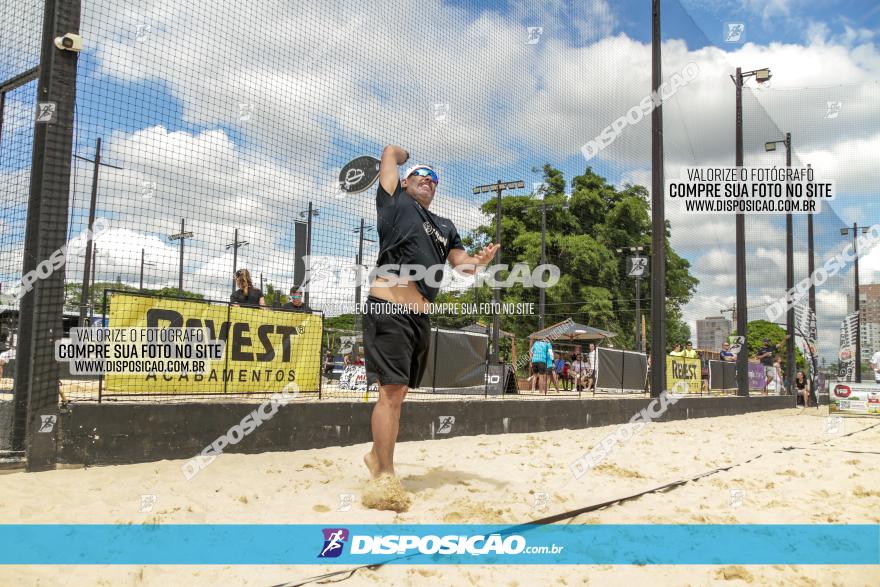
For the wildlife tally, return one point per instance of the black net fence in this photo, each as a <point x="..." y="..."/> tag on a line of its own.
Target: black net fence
<point x="211" y="141"/>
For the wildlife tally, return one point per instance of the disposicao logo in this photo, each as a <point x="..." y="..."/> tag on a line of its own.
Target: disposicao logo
<point x="334" y="540"/>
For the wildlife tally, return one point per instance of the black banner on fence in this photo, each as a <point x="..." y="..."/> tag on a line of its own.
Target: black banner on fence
<point x="300" y="244"/>
<point x="621" y="370"/>
<point x="722" y="375"/>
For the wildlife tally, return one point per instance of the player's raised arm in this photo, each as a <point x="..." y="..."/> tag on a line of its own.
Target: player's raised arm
<point x="389" y="174"/>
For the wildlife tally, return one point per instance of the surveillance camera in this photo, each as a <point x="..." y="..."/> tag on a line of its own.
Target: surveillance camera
<point x="69" y="42"/>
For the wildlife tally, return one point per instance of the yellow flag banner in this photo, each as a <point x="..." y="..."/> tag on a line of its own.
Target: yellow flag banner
<point x="680" y="369"/>
<point x="266" y="349"/>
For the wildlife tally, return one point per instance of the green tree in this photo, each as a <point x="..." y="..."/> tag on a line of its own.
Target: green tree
<point x="175" y="293"/>
<point x="761" y="329"/>
<point x="274" y="296"/>
<point x="583" y="233"/>
<point x="73" y="294"/>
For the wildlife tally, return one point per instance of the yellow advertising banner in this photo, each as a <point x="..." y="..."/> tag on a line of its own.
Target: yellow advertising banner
<point x="265" y="349"/>
<point x="680" y="369"/>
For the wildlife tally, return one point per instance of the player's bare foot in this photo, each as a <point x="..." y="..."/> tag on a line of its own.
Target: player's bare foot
<point x="372" y="464"/>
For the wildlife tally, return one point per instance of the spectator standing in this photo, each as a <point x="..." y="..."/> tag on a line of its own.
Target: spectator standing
<point x="725" y="353"/>
<point x="689" y="352"/>
<point x="875" y="364"/>
<point x="767" y="356"/>
<point x="246" y="294"/>
<point x="593" y="363"/>
<point x="676" y="351"/>
<point x="540" y="349"/>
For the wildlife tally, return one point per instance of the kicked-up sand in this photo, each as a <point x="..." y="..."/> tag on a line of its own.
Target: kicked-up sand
<point x="499" y="479"/>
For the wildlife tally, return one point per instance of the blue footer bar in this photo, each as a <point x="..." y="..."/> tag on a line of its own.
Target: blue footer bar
<point x="701" y="544"/>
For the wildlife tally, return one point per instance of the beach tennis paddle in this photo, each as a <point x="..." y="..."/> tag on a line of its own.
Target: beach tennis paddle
<point x="358" y="174"/>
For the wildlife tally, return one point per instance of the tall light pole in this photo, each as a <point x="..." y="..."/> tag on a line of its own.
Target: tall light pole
<point x="308" y="214"/>
<point x="142" y="269"/>
<point x="857" y="304"/>
<point x="235" y="245"/>
<point x="497" y="187"/>
<point x="789" y="270"/>
<point x="742" y="318"/>
<point x="658" y="217"/>
<point x="181" y="236"/>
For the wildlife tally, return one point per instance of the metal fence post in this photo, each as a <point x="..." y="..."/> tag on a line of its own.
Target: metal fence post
<point x="37" y="383"/>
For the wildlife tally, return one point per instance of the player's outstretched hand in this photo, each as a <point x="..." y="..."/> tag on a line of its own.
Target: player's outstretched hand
<point x="485" y="256"/>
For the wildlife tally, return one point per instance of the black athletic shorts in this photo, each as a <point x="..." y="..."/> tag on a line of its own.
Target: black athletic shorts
<point x="539" y="368"/>
<point x="396" y="343"/>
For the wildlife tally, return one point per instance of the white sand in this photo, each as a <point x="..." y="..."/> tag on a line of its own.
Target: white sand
<point x="487" y="479"/>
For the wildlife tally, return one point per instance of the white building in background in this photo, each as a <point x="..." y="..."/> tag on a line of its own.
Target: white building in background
<point x="712" y="331"/>
<point x="869" y="320"/>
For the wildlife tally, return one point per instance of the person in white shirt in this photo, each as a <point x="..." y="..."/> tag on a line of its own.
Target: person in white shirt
<point x="875" y="363"/>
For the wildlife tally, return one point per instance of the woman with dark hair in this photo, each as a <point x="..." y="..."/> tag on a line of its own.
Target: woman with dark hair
<point x="246" y="294"/>
<point x="803" y="387"/>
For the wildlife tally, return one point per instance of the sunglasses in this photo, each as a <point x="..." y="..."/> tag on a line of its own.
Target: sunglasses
<point x="239" y="273"/>
<point x="424" y="172"/>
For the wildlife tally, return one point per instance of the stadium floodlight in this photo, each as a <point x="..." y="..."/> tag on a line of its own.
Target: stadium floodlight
<point x="762" y="75"/>
<point x="497" y="187"/>
<point x="742" y="319"/>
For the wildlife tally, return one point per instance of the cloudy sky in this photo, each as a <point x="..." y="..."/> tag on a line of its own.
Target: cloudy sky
<point x="239" y="116"/>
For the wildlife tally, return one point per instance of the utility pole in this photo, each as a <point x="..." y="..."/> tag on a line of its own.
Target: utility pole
<point x="235" y="245"/>
<point x="87" y="268"/>
<point x="142" y="269"/>
<point x="497" y="187"/>
<point x="541" y="298"/>
<point x="181" y="236"/>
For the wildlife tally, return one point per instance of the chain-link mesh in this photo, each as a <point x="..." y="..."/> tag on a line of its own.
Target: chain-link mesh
<point x="211" y="139"/>
<point x="20" y="28"/>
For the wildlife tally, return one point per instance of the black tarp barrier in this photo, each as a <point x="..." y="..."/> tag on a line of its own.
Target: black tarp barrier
<point x="621" y="371"/>
<point x="722" y="375"/>
<point x="456" y="362"/>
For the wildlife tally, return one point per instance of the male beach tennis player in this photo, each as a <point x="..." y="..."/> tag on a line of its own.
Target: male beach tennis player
<point x="397" y="330"/>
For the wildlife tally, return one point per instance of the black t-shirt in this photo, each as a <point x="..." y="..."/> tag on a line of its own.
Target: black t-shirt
<point x="768" y="361"/>
<point x="411" y="235"/>
<point x="252" y="299"/>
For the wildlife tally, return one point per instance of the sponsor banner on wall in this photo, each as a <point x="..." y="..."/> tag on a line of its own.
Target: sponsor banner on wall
<point x="855" y="398"/>
<point x="757" y="379"/>
<point x="681" y="369"/>
<point x="265" y="350"/>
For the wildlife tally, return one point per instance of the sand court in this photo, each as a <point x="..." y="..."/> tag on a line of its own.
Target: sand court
<point x="832" y="475"/>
